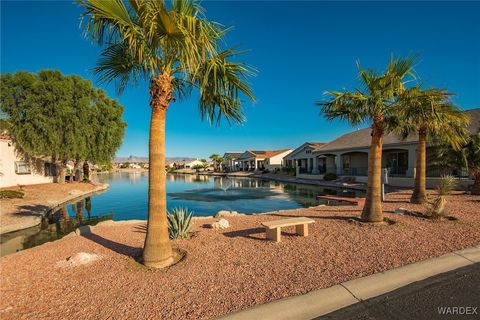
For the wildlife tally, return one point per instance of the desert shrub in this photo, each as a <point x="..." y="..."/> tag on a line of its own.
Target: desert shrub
<point x="329" y="176"/>
<point x="179" y="223"/>
<point x="436" y="209"/>
<point x="11" y="194"/>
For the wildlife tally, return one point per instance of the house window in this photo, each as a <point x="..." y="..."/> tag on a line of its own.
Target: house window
<point x="308" y="151"/>
<point x="22" y="167"/>
<point x="50" y="169"/>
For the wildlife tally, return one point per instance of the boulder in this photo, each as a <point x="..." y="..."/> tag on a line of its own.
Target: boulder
<point x="226" y="213"/>
<point x="78" y="259"/>
<point x="218" y="225"/>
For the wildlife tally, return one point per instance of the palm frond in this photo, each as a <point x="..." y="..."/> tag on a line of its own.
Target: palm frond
<point x="221" y="83"/>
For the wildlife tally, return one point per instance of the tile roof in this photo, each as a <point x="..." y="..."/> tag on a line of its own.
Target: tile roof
<point x="362" y="138"/>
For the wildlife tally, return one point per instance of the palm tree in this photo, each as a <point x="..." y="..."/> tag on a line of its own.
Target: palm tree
<point x="374" y="103"/>
<point x="430" y="114"/>
<point x="177" y="49"/>
<point x="468" y="157"/>
<point x="214" y="157"/>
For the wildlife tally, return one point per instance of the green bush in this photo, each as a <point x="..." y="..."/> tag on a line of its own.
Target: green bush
<point x="11" y="194"/>
<point x="179" y="223"/>
<point x="329" y="176"/>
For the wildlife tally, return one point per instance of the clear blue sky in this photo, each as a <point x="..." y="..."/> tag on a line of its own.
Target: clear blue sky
<point x="300" y="50"/>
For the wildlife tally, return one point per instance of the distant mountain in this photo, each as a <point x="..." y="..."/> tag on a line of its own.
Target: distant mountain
<point x="145" y="159"/>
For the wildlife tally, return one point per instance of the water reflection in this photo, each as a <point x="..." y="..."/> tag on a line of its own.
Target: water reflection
<point x="55" y="225"/>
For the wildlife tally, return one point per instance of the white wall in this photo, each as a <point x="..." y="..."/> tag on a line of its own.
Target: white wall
<point x="276" y="161"/>
<point x="9" y="178"/>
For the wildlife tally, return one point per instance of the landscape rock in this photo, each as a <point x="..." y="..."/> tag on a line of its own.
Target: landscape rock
<point x="78" y="259"/>
<point x="226" y="213"/>
<point x="218" y="225"/>
<point x="83" y="230"/>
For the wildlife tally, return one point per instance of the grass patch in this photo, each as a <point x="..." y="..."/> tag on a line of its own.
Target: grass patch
<point x="11" y="194"/>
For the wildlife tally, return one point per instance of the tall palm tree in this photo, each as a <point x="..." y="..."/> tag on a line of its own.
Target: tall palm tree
<point x="373" y="103"/>
<point x="430" y="114"/>
<point x="177" y="49"/>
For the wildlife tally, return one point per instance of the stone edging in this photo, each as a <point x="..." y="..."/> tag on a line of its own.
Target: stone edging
<point x="323" y="301"/>
<point x="37" y="218"/>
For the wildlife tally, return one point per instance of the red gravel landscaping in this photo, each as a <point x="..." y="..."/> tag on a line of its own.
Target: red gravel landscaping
<point x="224" y="270"/>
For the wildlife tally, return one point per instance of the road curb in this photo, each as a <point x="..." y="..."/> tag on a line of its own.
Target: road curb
<point x="323" y="301"/>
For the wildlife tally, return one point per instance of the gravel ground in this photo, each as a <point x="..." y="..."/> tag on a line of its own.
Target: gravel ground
<point x="37" y="199"/>
<point x="223" y="271"/>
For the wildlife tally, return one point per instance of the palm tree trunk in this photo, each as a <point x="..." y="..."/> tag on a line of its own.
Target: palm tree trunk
<point x="372" y="211"/>
<point x="419" y="192"/>
<point x="157" y="250"/>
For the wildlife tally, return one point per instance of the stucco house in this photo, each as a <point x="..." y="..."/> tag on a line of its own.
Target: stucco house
<point x="255" y="160"/>
<point x="348" y="156"/>
<point x="229" y="162"/>
<point x="18" y="169"/>
<point x="303" y="158"/>
<point x="193" y="163"/>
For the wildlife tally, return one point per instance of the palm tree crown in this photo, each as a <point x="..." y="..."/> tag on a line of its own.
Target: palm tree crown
<point x="145" y="39"/>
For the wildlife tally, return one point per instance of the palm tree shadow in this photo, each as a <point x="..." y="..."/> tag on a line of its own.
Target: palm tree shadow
<point x="140" y="228"/>
<point x="129" y="251"/>
<point x="341" y="218"/>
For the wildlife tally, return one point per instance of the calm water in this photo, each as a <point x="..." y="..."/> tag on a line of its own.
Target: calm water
<point x="204" y="195"/>
<point x="127" y="199"/>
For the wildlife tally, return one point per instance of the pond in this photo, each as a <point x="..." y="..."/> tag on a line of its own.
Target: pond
<point x="206" y="195"/>
<point x="127" y="197"/>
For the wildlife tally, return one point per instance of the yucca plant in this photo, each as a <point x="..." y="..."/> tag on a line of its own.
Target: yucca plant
<point x="179" y="223"/>
<point x="437" y="207"/>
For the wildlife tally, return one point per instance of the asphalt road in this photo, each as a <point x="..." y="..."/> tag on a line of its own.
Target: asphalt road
<point x="428" y="299"/>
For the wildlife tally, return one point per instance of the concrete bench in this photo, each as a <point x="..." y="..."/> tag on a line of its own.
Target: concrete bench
<point x="273" y="228"/>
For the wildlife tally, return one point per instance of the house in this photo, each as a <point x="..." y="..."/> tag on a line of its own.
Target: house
<point x="254" y="160"/>
<point x="229" y="162"/>
<point x="303" y="158"/>
<point x="193" y="163"/>
<point x="18" y="169"/>
<point x="348" y="156"/>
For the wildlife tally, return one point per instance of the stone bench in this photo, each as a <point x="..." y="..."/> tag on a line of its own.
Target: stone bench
<point x="273" y="228"/>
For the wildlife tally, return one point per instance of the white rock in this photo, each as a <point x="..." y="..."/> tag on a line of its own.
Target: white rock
<point x="79" y="259"/>
<point x="220" y="224"/>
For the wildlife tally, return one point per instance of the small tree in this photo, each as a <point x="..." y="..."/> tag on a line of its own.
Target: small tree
<point x="205" y="165"/>
<point x="197" y="167"/>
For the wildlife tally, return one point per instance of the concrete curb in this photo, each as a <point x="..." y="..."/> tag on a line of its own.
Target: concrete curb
<point x="36" y="219"/>
<point x="323" y="301"/>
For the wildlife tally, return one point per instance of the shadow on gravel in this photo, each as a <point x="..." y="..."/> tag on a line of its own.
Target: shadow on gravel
<point x="120" y="248"/>
<point x="247" y="233"/>
<point x="31" y="210"/>
<point x="342" y="218"/>
<point x="140" y="229"/>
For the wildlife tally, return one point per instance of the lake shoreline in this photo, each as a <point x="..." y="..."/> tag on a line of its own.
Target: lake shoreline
<point x="39" y="200"/>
